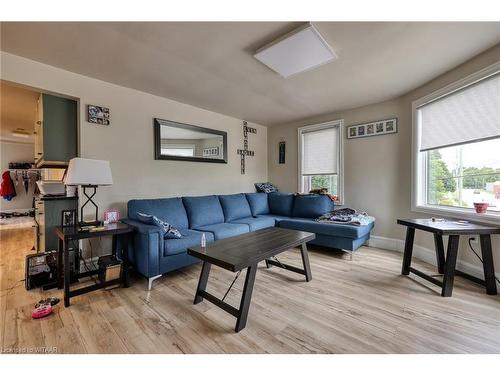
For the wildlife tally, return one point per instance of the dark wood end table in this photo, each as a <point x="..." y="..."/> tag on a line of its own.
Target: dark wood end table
<point x="447" y="265"/>
<point x="67" y="234"/>
<point x="246" y="251"/>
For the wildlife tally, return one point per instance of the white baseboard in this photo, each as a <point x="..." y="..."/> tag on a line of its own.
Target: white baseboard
<point x="425" y="254"/>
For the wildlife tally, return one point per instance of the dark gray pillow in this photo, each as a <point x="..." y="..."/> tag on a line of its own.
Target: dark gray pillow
<point x="265" y="187"/>
<point x="169" y="231"/>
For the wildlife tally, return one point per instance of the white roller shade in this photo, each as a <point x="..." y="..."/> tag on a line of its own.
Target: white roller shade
<point x="320" y="151"/>
<point x="467" y="115"/>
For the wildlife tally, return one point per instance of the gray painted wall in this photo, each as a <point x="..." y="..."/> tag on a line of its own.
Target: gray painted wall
<point x="128" y="143"/>
<point x="378" y="169"/>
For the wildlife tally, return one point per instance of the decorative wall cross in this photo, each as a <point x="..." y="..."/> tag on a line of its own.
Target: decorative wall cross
<point x="245" y="151"/>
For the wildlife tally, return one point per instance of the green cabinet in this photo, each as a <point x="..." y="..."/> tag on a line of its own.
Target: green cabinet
<point x="48" y="216"/>
<point x="55" y="131"/>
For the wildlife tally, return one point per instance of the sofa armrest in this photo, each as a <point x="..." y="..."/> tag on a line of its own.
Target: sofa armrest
<point x="146" y="248"/>
<point x="141" y="227"/>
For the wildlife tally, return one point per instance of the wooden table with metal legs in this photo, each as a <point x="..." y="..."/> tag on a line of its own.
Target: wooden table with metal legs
<point x="245" y="252"/>
<point x="447" y="263"/>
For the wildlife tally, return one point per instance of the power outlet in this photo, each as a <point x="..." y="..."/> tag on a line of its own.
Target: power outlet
<point x="474" y="240"/>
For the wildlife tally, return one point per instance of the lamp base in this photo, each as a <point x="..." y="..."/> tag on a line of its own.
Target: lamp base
<point x="95" y="222"/>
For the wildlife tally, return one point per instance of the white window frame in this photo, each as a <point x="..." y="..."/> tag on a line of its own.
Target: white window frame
<point x="180" y="146"/>
<point x="419" y="159"/>
<point x="340" y="176"/>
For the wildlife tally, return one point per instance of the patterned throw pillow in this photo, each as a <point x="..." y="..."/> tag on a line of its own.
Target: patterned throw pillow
<point x="169" y="231"/>
<point x="265" y="187"/>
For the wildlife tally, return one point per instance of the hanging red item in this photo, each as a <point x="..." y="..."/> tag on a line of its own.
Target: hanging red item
<point x="7" y="190"/>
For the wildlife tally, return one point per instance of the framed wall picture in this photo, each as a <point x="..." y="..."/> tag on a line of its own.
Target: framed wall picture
<point x="211" y="151"/>
<point x="370" y="129"/>
<point x="97" y="114"/>
<point x="281" y="152"/>
<point x="69" y="218"/>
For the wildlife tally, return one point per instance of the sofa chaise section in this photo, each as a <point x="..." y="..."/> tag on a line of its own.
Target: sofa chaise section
<point x="303" y="214"/>
<point x="339" y="236"/>
<point x="299" y="212"/>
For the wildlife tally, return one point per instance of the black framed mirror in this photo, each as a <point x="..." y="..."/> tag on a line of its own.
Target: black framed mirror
<point x="178" y="141"/>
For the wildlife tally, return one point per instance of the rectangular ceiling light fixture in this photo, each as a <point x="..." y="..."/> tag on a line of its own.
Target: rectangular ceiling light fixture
<point x="298" y="51"/>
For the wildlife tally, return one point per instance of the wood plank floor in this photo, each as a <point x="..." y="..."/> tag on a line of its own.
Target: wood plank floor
<point x="363" y="306"/>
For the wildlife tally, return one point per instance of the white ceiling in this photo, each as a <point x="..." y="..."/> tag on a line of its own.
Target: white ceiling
<point x="210" y="65"/>
<point x="17" y="111"/>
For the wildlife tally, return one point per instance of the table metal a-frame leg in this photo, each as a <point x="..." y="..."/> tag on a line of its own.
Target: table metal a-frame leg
<point x="306" y="271"/>
<point x="241" y="314"/>
<point x="447" y="265"/>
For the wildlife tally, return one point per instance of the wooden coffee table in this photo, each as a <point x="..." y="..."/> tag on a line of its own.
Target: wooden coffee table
<point x="246" y="251"/>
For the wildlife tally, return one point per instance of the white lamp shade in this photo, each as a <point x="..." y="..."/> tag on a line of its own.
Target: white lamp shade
<point x="88" y="172"/>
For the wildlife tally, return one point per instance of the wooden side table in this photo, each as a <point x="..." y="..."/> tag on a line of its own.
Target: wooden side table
<point x="67" y="234"/>
<point x="446" y="265"/>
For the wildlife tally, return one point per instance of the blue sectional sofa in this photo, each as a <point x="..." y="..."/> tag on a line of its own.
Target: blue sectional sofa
<point x="225" y="216"/>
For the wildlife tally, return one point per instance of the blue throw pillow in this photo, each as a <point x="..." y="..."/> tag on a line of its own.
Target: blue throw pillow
<point x="168" y="230"/>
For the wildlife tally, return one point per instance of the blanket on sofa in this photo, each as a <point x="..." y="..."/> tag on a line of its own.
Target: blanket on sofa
<point x="346" y="216"/>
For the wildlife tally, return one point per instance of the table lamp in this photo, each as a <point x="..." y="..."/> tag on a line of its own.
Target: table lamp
<point x="89" y="174"/>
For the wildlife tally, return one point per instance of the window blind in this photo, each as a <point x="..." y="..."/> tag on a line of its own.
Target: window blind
<point x="320" y="151"/>
<point x="468" y="115"/>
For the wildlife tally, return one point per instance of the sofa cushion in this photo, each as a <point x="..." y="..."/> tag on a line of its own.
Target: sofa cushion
<point x="330" y="229"/>
<point x="234" y="206"/>
<point x="276" y="218"/>
<point x="170" y="210"/>
<point x="225" y="230"/>
<point x="258" y="203"/>
<point x="281" y="203"/>
<point x="189" y="238"/>
<point x="204" y="210"/>
<point x="312" y="206"/>
<point x="256" y="223"/>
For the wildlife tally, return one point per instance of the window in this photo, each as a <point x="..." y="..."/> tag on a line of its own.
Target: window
<point x="178" y="150"/>
<point x="320" y="158"/>
<point x="456" y="143"/>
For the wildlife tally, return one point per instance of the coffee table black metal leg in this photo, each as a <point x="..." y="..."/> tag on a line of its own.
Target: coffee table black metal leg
<point x="246" y="297"/>
<point x="410" y="236"/>
<point x="202" y="283"/>
<point x="438" y="244"/>
<point x="488" y="267"/>
<point x="450" y="264"/>
<point x="65" y="250"/>
<point x="268" y="265"/>
<point x="305" y="262"/>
